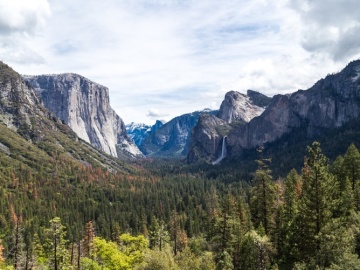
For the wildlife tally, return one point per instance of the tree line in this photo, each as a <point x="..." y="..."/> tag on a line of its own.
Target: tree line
<point x="93" y="219"/>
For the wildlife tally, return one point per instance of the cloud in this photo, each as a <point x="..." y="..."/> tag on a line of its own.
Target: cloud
<point x="180" y="56"/>
<point x="19" y="21"/>
<point x="330" y="27"/>
<point x="23" y="16"/>
<point x="155" y="114"/>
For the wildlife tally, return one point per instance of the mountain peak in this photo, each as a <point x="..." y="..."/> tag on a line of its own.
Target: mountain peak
<point x="85" y="107"/>
<point x="238" y="107"/>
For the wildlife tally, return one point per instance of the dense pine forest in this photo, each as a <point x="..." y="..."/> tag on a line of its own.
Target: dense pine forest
<point x="167" y="215"/>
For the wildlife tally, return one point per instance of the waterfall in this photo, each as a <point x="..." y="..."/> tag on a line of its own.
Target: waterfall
<point x="223" y="152"/>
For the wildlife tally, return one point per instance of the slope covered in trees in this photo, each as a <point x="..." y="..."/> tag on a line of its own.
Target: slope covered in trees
<point x="79" y="217"/>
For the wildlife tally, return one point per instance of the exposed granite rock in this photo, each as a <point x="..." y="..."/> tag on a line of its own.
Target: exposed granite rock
<point x="236" y="110"/>
<point x="206" y="138"/>
<point x="238" y="107"/>
<point x="84" y="106"/>
<point x="329" y="104"/>
<point x="18" y="102"/>
<point x="258" y="99"/>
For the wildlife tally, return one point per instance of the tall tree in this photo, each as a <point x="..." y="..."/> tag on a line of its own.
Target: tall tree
<point x="287" y="220"/>
<point x="316" y="201"/>
<point x="56" y="245"/>
<point x="262" y="204"/>
<point x="352" y="165"/>
<point x="88" y="238"/>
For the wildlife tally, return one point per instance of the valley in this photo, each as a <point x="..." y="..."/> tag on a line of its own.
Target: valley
<point x="261" y="183"/>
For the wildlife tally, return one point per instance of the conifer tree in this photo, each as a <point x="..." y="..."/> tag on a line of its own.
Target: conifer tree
<point x="352" y="165"/>
<point x="288" y="227"/>
<point x="88" y="238"/>
<point x="56" y="245"/>
<point x="316" y="201"/>
<point x="262" y="204"/>
<point x="2" y="260"/>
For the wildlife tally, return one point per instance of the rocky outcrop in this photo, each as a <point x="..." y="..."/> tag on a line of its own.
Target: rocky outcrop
<point x="236" y="110"/>
<point x="238" y="107"/>
<point x="18" y="102"/>
<point x="206" y="139"/>
<point x="258" y="99"/>
<point x="173" y="138"/>
<point x="329" y="104"/>
<point x="138" y="132"/>
<point x="84" y="106"/>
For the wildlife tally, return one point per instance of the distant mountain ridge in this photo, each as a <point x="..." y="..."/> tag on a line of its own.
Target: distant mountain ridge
<point x="236" y="109"/>
<point x="85" y="107"/>
<point x="139" y="131"/>
<point x="172" y="138"/>
<point x="331" y="103"/>
<point x="30" y="134"/>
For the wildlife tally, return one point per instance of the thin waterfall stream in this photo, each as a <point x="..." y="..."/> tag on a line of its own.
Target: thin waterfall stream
<point x="223" y="151"/>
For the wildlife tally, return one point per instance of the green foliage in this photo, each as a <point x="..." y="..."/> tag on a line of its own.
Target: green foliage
<point x="159" y="260"/>
<point x="263" y="197"/>
<point x="256" y="251"/>
<point x="108" y="256"/>
<point x="55" y="246"/>
<point x="305" y="221"/>
<point x="316" y="201"/>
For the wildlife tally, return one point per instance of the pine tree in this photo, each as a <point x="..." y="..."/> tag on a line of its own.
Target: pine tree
<point x="88" y="238"/>
<point x="352" y="165"/>
<point x="56" y="245"/>
<point x="316" y="201"/>
<point x="262" y="204"/>
<point x="2" y="260"/>
<point x="287" y="220"/>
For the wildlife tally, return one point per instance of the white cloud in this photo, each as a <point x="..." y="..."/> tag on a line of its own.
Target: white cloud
<point x="330" y="27"/>
<point x="155" y="114"/>
<point x="181" y="55"/>
<point x="19" y="21"/>
<point x="23" y="16"/>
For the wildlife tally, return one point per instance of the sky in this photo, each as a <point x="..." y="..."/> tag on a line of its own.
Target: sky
<point x="164" y="58"/>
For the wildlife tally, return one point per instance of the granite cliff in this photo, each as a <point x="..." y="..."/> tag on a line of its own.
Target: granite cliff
<point x="30" y="134"/>
<point x="85" y="107"/>
<point x="235" y="110"/>
<point x="331" y="103"/>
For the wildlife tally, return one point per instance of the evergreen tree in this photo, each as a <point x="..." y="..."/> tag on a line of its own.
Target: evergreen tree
<point x="88" y="238"/>
<point x="2" y="259"/>
<point x="262" y="203"/>
<point x="351" y="166"/>
<point x="316" y="201"/>
<point x="56" y="245"/>
<point x="287" y="219"/>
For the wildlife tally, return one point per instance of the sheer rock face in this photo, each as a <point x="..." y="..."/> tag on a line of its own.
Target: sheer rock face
<point x="329" y="104"/>
<point x="238" y="107"/>
<point x="84" y="106"/>
<point x="18" y="102"/>
<point x="206" y="138"/>
<point x="236" y="110"/>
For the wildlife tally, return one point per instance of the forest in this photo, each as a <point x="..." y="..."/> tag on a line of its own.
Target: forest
<point x="167" y="215"/>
